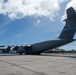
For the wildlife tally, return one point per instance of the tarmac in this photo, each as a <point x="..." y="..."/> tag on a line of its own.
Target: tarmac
<point x="44" y="64"/>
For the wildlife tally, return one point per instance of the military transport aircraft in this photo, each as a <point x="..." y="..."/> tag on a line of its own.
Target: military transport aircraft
<point x="65" y="37"/>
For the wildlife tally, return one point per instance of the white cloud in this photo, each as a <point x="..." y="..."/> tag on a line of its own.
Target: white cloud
<point x="37" y="22"/>
<point x="16" y="9"/>
<point x="72" y="3"/>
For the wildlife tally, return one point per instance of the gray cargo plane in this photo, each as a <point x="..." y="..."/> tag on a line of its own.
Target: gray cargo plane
<point x="65" y="37"/>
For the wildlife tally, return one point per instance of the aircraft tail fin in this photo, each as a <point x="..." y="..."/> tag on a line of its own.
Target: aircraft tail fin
<point x="69" y="30"/>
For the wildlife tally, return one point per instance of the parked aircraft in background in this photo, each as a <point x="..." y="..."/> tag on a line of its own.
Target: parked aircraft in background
<point x="65" y="37"/>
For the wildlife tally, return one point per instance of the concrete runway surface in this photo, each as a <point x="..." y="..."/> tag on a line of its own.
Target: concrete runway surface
<point x="37" y="65"/>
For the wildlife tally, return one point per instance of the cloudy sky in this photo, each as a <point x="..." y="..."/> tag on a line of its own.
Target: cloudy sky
<point x="32" y="21"/>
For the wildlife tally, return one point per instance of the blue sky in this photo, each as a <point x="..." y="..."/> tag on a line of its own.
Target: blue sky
<point x="27" y="26"/>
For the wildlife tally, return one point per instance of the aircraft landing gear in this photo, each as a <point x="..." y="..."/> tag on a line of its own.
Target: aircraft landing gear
<point x="20" y="53"/>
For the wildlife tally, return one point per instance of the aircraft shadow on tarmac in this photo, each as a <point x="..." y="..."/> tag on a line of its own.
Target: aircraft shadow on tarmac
<point x="46" y="54"/>
<point x="60" y="55"/>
